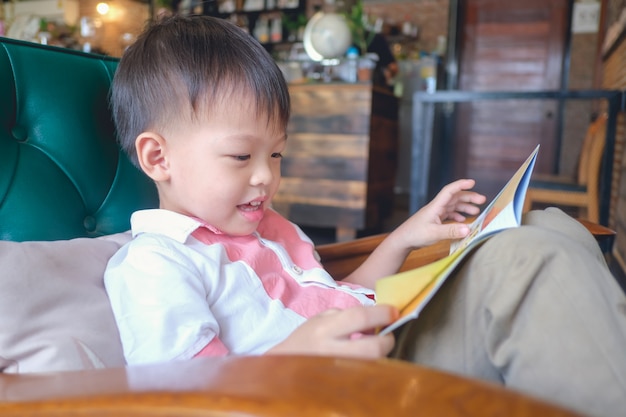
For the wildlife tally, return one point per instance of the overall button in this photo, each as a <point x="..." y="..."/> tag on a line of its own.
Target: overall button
<point x="296" y="269"/>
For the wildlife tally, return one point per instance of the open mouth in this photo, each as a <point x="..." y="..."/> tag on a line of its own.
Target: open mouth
<point x="251" y="206"/>
<point x="252" y="211"/>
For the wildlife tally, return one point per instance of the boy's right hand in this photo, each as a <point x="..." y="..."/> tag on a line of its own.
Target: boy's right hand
<point x="347" y="332"/>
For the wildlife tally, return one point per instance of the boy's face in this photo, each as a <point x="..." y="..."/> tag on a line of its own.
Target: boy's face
<point x="224" y="169"/>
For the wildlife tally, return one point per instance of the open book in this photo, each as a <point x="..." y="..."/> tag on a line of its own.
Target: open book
<point x="409" y="291"/>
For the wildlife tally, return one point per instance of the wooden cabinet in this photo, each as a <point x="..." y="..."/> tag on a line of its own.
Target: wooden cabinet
<point x="340" y="165"/>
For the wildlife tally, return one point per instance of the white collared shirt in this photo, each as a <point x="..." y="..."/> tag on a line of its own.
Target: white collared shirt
<point x="181" y="287"/>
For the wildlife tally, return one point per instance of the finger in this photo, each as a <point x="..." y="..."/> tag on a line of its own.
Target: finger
<point x="456" y="230"/>
<point x="466" y="208"/>
<point x="452" y="190"/>
<point x="455" y="217"/>
<point x="362" y="319"/>
<point x="460" y="185"/>
<point x="451" y="231"/>
<point x="368" y="346"/>
<point x="472" y="197"/>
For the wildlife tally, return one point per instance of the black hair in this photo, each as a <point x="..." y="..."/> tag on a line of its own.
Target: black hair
<point x="191" y="64"/>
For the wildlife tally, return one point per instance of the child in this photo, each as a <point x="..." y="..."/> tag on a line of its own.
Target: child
<point x="202" y="109"/>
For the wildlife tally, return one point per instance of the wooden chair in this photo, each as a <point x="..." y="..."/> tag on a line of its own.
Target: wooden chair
<point x="341" y="258"/>
<point x="265" y="386"/>
<point x="581" y="192"/>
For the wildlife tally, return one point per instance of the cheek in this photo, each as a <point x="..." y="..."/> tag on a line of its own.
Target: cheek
<point x="277" y="177"/>
<point x="200" y="178"/>
<point x="276" y="168"/>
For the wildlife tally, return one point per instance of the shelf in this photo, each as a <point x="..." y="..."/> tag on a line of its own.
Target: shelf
<point x="271" y="17"/>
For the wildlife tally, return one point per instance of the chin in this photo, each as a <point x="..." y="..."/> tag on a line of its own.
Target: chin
<point x="241" y="231"/>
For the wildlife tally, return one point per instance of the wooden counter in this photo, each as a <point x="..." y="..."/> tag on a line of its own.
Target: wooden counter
<point x="340" y="165"/>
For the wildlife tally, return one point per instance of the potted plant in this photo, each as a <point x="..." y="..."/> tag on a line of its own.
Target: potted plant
<point x="362" y="36"/>
<point x="357" y="22"/>
<point x="294" y="25"/>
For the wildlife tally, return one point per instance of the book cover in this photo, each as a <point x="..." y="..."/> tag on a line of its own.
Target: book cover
<point x="409" y="291"/>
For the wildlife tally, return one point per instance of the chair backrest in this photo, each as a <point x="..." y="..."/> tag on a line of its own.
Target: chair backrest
<point x="590" y="160"/>
<point x="62" y="174"/>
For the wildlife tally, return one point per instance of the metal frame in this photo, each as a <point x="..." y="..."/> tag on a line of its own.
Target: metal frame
<point x="424" y="119"/>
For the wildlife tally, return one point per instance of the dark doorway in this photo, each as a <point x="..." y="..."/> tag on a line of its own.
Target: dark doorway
<point x="508" y="46"/>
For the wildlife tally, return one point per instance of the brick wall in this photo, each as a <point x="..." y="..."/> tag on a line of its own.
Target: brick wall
<point x="431" y="17"/>
<point x="614" y="77"/>
<point x="613" y="9"/>
<point x="583" y="53"/>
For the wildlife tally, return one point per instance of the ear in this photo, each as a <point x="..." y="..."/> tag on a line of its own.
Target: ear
<point x="152" y="154"/>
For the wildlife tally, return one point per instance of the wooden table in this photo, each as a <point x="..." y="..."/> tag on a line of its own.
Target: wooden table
<point x="263" y="386"/>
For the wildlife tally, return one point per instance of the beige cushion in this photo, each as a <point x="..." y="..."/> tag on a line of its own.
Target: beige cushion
<point x="54" y="311"/>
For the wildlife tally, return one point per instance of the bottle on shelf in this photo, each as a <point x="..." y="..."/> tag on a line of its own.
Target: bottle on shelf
<point x="261" y="29"/>
<point x="276" y="29"/>
<point x="352" y="64"/>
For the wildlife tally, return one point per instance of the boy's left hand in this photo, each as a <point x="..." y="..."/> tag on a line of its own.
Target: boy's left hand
<point x="429" y="225"/>
<point x="425" y="227"/>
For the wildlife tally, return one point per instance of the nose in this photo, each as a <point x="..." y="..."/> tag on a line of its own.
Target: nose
<point x="263" y="173"/>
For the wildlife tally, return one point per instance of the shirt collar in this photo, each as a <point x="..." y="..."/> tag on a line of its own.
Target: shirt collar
<point x="165" y="222"/>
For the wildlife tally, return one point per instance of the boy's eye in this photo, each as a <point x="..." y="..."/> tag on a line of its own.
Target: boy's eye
<point x="242" y="157"/>
<point x="277" y="155"/>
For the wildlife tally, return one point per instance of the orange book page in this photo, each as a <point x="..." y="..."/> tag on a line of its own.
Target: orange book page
<point x="418" y="300"/>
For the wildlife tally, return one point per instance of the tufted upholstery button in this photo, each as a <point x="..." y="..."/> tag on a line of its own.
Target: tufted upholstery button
<point x="19" y="133"/>
<point x="90" y="224"/>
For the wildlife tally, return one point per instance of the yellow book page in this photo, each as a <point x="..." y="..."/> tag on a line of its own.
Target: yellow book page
<point x="408" y="288"/>
<point x="418" y="300"/>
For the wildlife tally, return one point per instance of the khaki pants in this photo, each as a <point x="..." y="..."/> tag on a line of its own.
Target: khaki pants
<point x="536" y="309"/>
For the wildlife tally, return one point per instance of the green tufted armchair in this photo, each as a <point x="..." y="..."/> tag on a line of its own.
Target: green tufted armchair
<point x="62" y="174"/>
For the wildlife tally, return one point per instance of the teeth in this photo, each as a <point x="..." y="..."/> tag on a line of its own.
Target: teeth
<point x="255" y="203"/>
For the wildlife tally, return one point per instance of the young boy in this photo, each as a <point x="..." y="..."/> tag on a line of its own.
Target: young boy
<point x="202" y="109"/>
